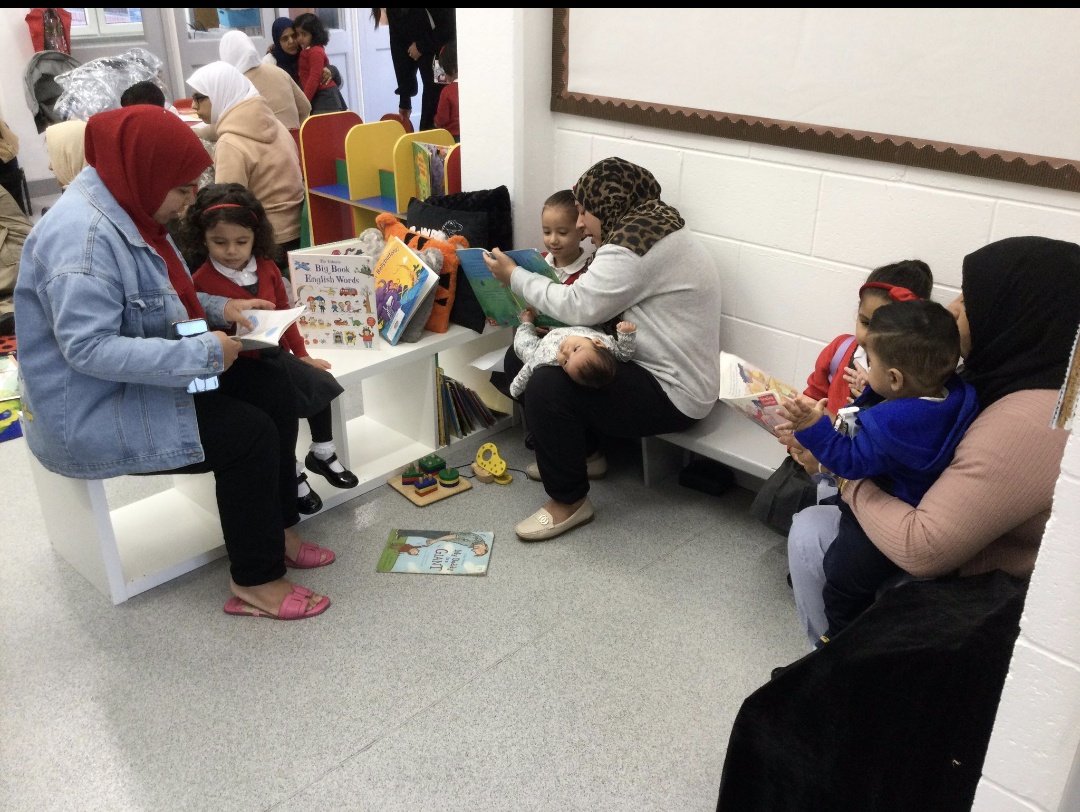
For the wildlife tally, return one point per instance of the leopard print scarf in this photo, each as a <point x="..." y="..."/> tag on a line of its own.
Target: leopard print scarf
<point x="626" y="199"/>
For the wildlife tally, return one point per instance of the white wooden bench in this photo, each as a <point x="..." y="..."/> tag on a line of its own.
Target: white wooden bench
<point x="128" y="549"/>
<point x="725" y="436"/>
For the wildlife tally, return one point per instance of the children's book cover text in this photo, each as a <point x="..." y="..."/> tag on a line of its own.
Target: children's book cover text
<point x="437" y="552"/>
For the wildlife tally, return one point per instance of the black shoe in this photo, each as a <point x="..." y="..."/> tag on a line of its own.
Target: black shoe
<point x="530" y="443"/>
<point x="346" y="479"/>
<point x="308" y="504"/>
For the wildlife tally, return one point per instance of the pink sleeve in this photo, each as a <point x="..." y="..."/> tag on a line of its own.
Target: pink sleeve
<point x="1001" y="477"/>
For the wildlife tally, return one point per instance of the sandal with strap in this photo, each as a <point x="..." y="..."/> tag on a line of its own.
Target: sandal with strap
<point x="293" y="607"/>
<point x="311" y="556"/>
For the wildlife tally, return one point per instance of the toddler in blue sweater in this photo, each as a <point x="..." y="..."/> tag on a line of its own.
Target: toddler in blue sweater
<point x="921" y="409"/>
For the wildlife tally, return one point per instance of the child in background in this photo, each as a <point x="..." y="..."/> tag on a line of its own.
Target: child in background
<point x="322" y="92"/>
<point x="563" y="236"/>
<point x="228" y="226"/>
<point x="446" y="114"/>
<point x="587" y="355"/>
<point x="920" y="411"/>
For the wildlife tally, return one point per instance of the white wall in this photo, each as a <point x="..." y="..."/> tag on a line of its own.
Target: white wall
<point x="795" y="233"/>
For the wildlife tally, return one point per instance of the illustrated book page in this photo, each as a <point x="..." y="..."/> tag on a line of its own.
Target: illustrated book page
<point x="267" y="327"/>
<point x="499" y="303"/>
<point x="402" y="280"/>
<point x="437" y="552"/>
<point x="753" y="392"/>
<point x="334" y="284"/>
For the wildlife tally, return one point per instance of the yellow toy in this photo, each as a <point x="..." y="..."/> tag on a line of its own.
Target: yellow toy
<point x="490" y="467"/>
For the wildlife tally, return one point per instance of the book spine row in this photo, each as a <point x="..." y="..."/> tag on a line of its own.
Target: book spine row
<point x="461" y="410"/>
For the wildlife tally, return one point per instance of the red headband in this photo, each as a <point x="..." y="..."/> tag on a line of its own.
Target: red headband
<point x="254" y="216"/>
<point x="895" y="292"/>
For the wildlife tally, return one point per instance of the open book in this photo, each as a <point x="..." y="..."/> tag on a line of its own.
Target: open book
<point x="753" y="392"/>
<point x="499" y="303"/>
<point x="402" y="282"/>
<point x="267" y="327"/>
<point x="437" y="552"/>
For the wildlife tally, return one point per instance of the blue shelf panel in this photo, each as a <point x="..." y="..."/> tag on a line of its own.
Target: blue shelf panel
<point x="340" y="192"/>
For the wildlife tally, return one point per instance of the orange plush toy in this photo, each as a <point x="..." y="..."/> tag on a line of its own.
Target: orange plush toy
<point x="439" y="320"/>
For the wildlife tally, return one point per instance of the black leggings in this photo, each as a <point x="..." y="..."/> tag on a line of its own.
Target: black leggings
<point x="248" y="431"/>
<point x="854" y="572"/>
<point x="565" y="418"/>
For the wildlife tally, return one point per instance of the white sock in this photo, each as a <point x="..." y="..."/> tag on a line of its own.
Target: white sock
<point x="324" y="451"/>
<point x="302" y="488"/>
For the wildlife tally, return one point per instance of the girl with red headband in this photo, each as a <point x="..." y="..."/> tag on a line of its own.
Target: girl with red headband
<point x="839" y="375"/>
<point x="227" y="226"/>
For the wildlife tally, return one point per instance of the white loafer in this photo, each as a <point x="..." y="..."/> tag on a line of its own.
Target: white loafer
<point x="541" y="526"/>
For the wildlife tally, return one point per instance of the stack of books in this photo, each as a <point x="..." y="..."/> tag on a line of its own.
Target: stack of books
<point x="461" y="411"/>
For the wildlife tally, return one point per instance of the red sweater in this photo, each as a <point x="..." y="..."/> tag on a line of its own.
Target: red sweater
<point x="271" y="287"/>
<point x="819" y="385"/>
<point x="309" y="70"/>
<point x="446" y="115"/>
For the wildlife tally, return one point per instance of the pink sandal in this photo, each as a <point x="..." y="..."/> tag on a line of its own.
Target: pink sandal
<point x="311" y="556"/>
<point x="293" y="607"/>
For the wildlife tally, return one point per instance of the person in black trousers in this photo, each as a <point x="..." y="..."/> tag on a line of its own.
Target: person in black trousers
<point x="416" y="35"/>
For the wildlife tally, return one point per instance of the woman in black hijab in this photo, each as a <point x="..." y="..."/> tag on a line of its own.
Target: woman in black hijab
<point x="896" y="711"/>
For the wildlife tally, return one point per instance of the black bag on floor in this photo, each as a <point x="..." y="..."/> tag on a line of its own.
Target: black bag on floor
<point x="785" y="493"/>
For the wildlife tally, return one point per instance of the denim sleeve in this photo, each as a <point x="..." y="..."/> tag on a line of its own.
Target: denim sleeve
<point x="105" y="334"/>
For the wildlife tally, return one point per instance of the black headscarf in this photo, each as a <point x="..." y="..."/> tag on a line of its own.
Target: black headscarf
<point x="1022" y="297"/>
<point x="626" y="199"/>
<point x="290" y="63"/>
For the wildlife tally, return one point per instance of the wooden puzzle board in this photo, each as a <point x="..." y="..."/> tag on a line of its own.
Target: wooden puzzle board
<point x="409" y="492"/>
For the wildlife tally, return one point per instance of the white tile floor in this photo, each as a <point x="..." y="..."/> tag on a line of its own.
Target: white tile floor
<point x="599" y="671"/>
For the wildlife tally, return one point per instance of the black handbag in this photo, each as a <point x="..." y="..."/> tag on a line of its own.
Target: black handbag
<point x="787" y="491"/>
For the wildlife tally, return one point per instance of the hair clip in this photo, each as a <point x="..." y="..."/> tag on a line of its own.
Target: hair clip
<point x="895" y="292"/>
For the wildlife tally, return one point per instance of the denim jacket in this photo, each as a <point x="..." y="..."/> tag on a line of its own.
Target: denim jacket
<point x="102" y="380"/>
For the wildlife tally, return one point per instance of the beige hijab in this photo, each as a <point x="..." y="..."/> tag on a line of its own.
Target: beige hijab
<point x="67" y="154"/>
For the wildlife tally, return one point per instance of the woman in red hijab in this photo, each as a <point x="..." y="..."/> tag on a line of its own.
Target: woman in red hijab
<point x="108" y="367"/>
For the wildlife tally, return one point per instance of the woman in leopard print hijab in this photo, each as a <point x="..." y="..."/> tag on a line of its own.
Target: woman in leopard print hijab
<point x="625" y="198"/>
<point x="649" y="269"/>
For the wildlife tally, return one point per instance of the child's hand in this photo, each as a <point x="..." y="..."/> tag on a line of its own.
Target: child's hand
<point x="856" y="378"/>
<point x="626" y="327"/>
<point x="801" y="413"/>
<point x="318" y="363"/>
<point x="527" y="316"/>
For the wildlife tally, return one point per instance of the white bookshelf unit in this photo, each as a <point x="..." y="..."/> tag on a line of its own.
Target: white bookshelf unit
<point x="388" y="420"/>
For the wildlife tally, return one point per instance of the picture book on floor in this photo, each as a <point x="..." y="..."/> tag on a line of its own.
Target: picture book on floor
<point x="402" y="281"/>
<point x="267" y="327"/>
<point x="753" y="392"/>
<point x="499" y="303"/>
<point x="437" y="552"/>
<point x="333" y="282"/>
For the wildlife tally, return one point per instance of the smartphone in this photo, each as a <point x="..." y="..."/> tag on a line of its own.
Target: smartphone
<point x="194" y="327"/>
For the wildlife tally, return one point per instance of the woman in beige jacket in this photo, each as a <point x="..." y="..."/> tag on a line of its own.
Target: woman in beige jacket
<point x="253" y="149"/>
<point x="284" y="96"/>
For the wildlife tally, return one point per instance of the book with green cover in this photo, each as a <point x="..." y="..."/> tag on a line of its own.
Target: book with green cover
<point x="499" y="303"/>
<point x="437" y="552"/>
